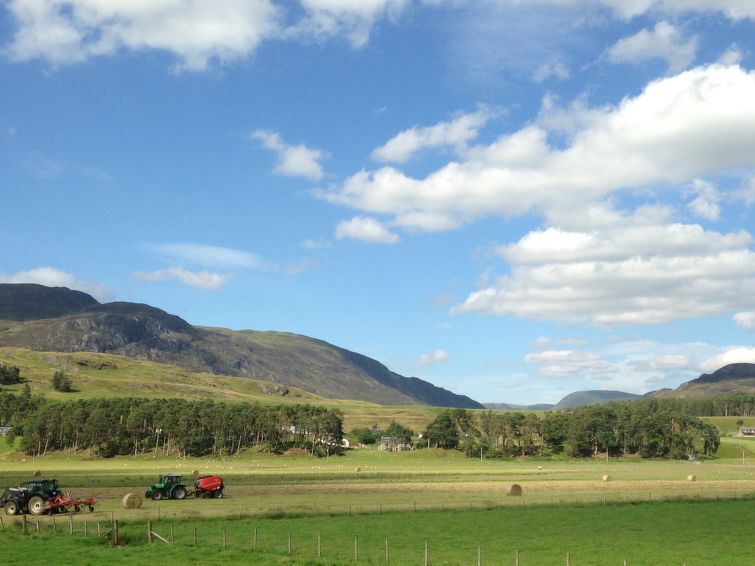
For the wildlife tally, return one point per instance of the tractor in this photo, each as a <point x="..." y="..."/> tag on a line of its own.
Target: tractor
<point x="40" y="497"/>
<point x="171" y="486"/>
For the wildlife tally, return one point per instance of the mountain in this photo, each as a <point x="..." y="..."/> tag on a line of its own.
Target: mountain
<point x="62" y="320"/>
<point x="594" y="397"/>
<point x="571" y="401"/>
<point x="732" y="378"/>
<point x="32" y="302"/>
<point x="512" y="407"/>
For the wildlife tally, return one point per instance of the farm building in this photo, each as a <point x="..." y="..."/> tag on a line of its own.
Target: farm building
<point x="393" y="444"/>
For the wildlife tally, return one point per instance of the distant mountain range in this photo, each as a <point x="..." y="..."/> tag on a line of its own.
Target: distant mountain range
<point x="571" y="401"/>
<point x="730" y="379"/>
<point x="59" y="319"/>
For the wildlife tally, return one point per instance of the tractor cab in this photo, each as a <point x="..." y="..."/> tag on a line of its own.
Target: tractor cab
<point x="170" y="479"/>
<point x="45" y="488"/>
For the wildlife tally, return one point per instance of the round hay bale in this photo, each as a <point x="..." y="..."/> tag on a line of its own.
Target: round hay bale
<point x="539" y="467"/>
<point x="607" y="477"/>
<point x="132" y="501"/>
<point x="357" y="469"/>
<point x="195" y="473"/>
<point x="691" y="478"/>
<point x="37" y="473"/>
<point x="514" y="489"/>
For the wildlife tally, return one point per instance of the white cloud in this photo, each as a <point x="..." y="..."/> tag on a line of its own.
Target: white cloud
<point x="71" y="31"/>
<point x="745" y="319"/>
<point x="52" y="277"/>
<point x="705" y="204"/>
<point x="293" y="160"/>
<point x="433" y="358"/>
<point x="731" y="356"/>
<point x="213" y="256"/>
<point x="732" y="56"/>
<point x="697" y="123"/>
<point x="353" y="18"/>
<point x="204" y="280"/>
<point x="556" y="70"/>
<point x="366" y="230"/>
<point x="633" y="273"/>
<point x="746" y="194"/>
<point x="569" y="363"/>
<point x="456" y="134"/>
<point x="319" y="244"/>
<point x="664" y="363"/>
<point x="663" y="42"/>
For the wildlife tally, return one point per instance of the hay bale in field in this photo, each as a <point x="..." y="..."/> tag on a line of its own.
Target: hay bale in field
<point x="194" y="473"/>
<point x="37" y="473"/>
<point x="607" y="477"/>
<point x="514" y="489"/>
<point x="357" y="469"/>
<point x="539" y="467"/>
<point x="691" y="478"/>
<point x="132" y="501"/>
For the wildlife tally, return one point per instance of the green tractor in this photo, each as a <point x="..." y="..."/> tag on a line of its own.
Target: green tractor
<point x="170" y="486"/>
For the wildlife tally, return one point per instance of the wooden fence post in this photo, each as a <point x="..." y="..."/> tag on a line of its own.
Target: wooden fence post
<point x="99" y="534"/>
<point x="149" y="532"/>
<point x="54" y="526"/>
<point x="319" y="547"/>
<point x="172" y="536"/>
<point x="116" y="536"/>
<point x="479" y="555"/>
<point x="356" y="549"/>
<point x="254" y="540"/>
<point x="70" y="524"/>
<point x="24" y="520"/>
<point x="194" y="538"/>
<point x="225" y="541"/>
<point x="37" y="526"/>
<point x="2" y="524"/>
<point x="568" y="559"/>
<point x="86" y="528"/>
<point x="516" y="557"/>
<point x="289" y="543"/>
<point x="426" y="553"/>
<point x="387" y="558"/>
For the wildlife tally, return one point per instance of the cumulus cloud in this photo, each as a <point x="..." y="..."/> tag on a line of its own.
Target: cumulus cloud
<point x="662" y="42"/>
<point x="433" y="358"/>
<point x="366" y="230"/>
<point x="293" y="160"/>
<point x="456" y="134"/>
<point x="691" y="125"/>
<point x="52" y="277"/>
<point x="204" y="280"/>
<point x="354" y="19"/>
<point x="705" y="204"/>
<point x="633" y="273"/>
<point x="745" y="319"/>
<point x="72" y="31"/>
<point x="731" y="356"/>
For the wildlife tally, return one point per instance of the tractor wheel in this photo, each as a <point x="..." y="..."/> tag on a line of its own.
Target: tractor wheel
<point x="157" y="495"/>
<point x="179" y="492"/>
<point x="37" y="505"/>
<point x="218" y="494"/>
<point x="76" y="508"/>
<point x="91" y="508"/>
<point x="12" y="508"/>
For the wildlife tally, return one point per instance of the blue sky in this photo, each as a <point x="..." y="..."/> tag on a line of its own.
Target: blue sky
<point x="511" y="199"/>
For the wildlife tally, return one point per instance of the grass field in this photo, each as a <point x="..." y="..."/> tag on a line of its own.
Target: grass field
<point x="644" y="534"/>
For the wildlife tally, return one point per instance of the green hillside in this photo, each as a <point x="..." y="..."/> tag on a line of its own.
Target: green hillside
<point x="107" y="375"/>
<point x="144" y="332"/>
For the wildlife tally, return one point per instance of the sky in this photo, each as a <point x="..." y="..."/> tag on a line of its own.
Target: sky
<point x="511" y="199"/>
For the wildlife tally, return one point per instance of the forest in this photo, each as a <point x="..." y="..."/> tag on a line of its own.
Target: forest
<point x="648" y="428"/>
<point x="122" y="426"/>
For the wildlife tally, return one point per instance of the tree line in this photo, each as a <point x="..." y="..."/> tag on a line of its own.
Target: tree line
<point x="648" y="428"/>
<point x="123" y="426"/>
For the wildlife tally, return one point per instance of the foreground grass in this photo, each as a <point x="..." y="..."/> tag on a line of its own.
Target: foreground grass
<point x="644" y="534"/>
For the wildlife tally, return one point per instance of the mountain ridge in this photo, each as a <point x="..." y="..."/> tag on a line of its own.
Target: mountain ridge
<point x="144" y="332"/>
